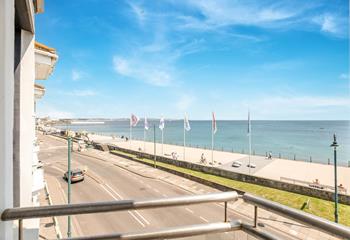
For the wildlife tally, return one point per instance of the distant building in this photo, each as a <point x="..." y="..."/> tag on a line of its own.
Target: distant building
<point x="22" y="61"/>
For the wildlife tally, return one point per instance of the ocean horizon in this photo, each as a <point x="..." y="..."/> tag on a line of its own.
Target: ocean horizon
<point x="303" y="140"/>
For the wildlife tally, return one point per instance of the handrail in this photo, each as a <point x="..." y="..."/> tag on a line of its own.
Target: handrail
<point x="183" y="231"/>
<point x="300" y="216"/>
<point x="98" y="207"/>
<point x="168" y="233"/>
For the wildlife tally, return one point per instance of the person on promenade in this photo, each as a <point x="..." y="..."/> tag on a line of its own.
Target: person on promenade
<point x="174" y="155"/>
<point x="203" y="159"/>
<point x="269" y="156"/>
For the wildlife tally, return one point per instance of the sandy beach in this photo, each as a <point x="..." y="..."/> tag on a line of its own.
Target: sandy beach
<point x="277" y="169"/>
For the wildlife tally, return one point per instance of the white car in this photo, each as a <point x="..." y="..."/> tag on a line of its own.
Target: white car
<point x="236" y="164"/>
<point x="251" y="165"/>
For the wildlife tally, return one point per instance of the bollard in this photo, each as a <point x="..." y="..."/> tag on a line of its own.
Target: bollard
<point x="232" y="149"/>
<point x="253" y="152"/>
<point x="222" y="149"/>
<point x="279" y="155"/>
<point x="294" y="157"/>
<point x="329" y="161"/>
<point x="310" y="159"/>
<point x="265" y="154"/>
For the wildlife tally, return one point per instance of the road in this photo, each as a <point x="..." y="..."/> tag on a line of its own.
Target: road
<point x="105" y="181"/>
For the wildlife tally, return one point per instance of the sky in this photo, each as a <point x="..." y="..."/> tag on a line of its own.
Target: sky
<point x="282" y="60"/>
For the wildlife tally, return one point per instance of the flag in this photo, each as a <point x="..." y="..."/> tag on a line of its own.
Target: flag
<point x="214" y="128"/>
<point x="134" y="120"/>
<point x="146" y="124"/>
<point x="249" y="125"/>
<point x="187" y="124"/>
<point x="161" y="124"/>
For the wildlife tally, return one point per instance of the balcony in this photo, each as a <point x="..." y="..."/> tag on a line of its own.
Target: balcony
<point x="183" y="231"/>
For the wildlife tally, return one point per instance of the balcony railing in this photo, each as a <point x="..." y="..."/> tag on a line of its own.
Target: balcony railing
<point x="183" y="231"/>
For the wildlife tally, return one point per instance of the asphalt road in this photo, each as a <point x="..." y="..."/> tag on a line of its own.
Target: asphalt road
<point x="105" y="182"/>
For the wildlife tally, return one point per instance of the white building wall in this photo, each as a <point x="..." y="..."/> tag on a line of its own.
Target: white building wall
<point x="27" y="133"/>
<point x="6" y="110"/>
<point x="27" y="130"/>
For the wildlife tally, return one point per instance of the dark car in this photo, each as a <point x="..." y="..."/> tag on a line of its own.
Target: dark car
<point x="77" y="175"/>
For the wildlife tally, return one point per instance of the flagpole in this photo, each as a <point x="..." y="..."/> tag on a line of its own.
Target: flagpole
<point x="144" y="139"/>
<point x="162" y="141"/>
<point x="250" y="149"/>
<point x="212" y="142"/>
<point x="184" y="139"/>
<point x="250" y="140"/>
<point x="130" y="135"/>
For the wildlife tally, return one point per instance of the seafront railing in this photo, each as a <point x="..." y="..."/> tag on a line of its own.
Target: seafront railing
<point x="182" y="231"/>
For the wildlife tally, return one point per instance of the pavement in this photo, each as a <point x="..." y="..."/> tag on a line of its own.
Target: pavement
<point x="275" y="168"/>
<point x="110" y="177"/>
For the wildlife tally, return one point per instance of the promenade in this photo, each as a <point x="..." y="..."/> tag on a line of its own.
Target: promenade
<point x="110" y="177"/>
<point x="277" y="169"/>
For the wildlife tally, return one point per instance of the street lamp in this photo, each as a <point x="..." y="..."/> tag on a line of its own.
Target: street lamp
<point x="335" y="145"/>
<point x="69" y="232"/>
<point x="154" y="144"/>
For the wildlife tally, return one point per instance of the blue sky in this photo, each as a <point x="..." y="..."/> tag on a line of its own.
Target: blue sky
<point x="280" y="59"/>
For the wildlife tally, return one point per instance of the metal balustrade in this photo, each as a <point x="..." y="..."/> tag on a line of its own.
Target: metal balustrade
<point x="182" y="231"/>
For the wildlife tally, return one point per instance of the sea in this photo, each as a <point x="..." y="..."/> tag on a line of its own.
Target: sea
<point x="295" y="140"/>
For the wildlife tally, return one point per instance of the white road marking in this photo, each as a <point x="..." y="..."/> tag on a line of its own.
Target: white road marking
<point x="120" y="196"/>
<point x="59" y="169"/>
<point x="205" y="220"/>
<point x="76" y="226"/>
<point x="144" y="219"/>
<point x="112" y="195"/>
<point x="189" y="210"/>
<point x="156" y="190"/>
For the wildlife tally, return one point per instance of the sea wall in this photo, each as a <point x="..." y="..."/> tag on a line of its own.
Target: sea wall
<point x="304" y="190"/>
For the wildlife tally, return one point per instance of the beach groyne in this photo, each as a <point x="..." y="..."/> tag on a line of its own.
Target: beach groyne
<point x="285" y="186"/>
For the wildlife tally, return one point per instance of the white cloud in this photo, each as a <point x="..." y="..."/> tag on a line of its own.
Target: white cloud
<point x="77" y="75"/>
<point x="121" y="65"/>
<point x="225" y="13"/>
<point x="280" y="15"/>
<point x="80" y="93"/>
<point x="344" y="76"/>
<point x="298" y="107"/>
<point x="139" y="12"/>
<point x="51" y="111"/>
<point x="184" y="102"/>
<point x="280" y="65"/>
<point x="332" y="24"/>
<point x="146" y="70"/>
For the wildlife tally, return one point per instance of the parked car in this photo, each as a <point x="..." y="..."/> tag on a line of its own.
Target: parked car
<point x="77" y="175"/>
<point x="236" y="164"/>
<point x="251" y="165"/>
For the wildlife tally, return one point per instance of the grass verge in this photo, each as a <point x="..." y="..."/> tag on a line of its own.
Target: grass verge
<point x="318" y="207"/>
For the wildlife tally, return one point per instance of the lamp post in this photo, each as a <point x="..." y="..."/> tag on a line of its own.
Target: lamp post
<point x="69" y="232"/>
<point x="154" y="143"/>
<point x="335" y="145"/>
